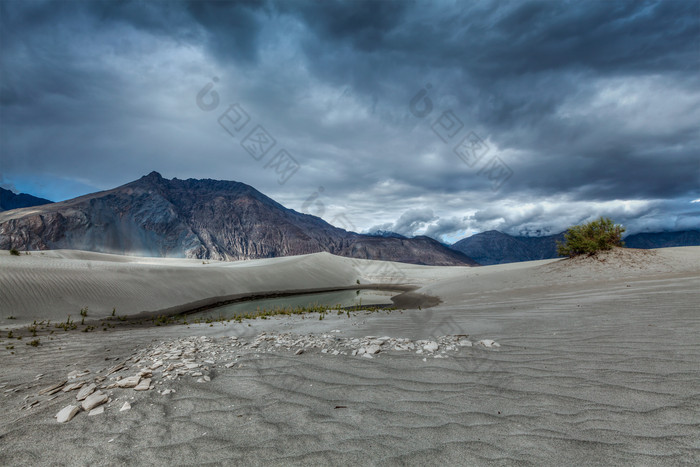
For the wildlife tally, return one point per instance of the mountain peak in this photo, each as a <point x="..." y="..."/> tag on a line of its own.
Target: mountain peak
<point x="153" y="176"/>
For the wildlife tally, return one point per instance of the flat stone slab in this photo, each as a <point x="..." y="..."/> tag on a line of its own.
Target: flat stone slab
<point x="67" y="413"/>
<point x="129" y="382"/>
<point x="95" y="399"/>
<point x="86" y="391"/>
<point x="97" y="411"/>
<point x="144" y="385"/>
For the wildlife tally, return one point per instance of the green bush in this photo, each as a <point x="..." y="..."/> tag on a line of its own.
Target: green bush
<point x="14" y="252"/>
<point x="599" y="235"/>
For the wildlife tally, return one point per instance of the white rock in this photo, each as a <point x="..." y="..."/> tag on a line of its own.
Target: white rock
<point x="299" y="352"/>
<point x="366" y="355"/>
<point x="67" y="413"/>
<point x="86" y="391"/>
<point x="73" y="386"/>
<point x="95" y="399"/>
<point x="144" y="385"/>
<point x="488" y="343"/>
<point x="157" y="365"/>
<point x="465" y="343"/>
<point x="129" y="382"/>
<point x="125" y="407"/>
<point x="431" y="346"/>
<point x="97" y="411"/>
<point x="373" y="349"/>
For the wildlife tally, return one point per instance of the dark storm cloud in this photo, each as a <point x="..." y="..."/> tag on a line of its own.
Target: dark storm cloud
<point x="594" y="106"/>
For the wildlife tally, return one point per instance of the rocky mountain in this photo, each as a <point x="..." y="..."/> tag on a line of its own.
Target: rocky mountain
<point x="663" y="239"/>
<point x="494" y="247"/>
<point x="386" y="234"/>
<point x="208" y="219"/>
<point x="10" y="200"/>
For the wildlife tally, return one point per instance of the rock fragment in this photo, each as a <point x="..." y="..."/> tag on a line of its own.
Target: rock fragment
<point x="129" y="382"/>
<point x="93" y="400"/>
<point x="67" y="413"/>
<point x="52" y="389"/>
<point x="97" y="411"/>
<point x="86" y="391"/>
<point x="144" y="385"/>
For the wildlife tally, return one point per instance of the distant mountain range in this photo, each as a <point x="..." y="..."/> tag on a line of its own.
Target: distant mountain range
<point x="208" y="219"/>
<point x="494" y="247"/>
<point x="10" y="200"/>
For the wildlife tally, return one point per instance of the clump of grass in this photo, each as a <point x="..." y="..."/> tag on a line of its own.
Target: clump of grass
<point x="14" y="252"/>
<point x="67" y="326"/>
<point x="83" y="313"/>
<point x="599" y="235"/>
<point x="10" y="335"/>
<point x="34" y="343"/>
<point x="11" y="317"/>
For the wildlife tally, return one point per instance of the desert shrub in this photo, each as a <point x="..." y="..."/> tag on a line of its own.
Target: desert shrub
<point x="598" y="235"/>
<point x="14" y="252"/>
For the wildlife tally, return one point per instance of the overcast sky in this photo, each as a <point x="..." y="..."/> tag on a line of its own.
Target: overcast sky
<point x="437" y="118"/>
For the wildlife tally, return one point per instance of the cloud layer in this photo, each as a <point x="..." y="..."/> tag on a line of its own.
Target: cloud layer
<point x="425" y="118"/>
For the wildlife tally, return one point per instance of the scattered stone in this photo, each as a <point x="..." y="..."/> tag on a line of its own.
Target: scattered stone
<point x="115" y="368"/>
<point x="75" y="374"/>
<point x="86" y="391"/>
<point x="73" y="386"/>
<point x="488" y="343"/>
<point x="129" y="382"/>
<point x="97" y="411"/>
<point x="299" y="352"/>
<point x="67" y="413"/>
<point x="431" y="346"/>
<point x="144" y="385"/>
<point x="125" y="407"/>
<point x="51" y="389"/>
<point x="93" y="400"/>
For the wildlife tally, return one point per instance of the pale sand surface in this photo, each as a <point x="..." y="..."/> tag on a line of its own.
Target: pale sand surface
<point x="598" y="365"/>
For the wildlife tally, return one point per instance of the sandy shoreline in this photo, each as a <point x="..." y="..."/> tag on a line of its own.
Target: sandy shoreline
<point x="597" y="366"/>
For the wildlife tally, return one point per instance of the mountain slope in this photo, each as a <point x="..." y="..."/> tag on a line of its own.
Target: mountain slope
<point x="494" y="247"/>
<point x="663" y="239"/>
<point x="208" y="219"/>
<point x="10" y="200"/>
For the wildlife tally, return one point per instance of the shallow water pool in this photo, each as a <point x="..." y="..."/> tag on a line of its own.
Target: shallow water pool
<point x="344" y="298"/>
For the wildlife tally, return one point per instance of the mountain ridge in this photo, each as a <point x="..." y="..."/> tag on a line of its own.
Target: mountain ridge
<point x="495" y="247"/>
<point x="207" y="219"/>
<point x="10" y="200"/>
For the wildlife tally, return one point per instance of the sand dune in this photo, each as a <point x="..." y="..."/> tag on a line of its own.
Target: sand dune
<point x="598" y="365"/>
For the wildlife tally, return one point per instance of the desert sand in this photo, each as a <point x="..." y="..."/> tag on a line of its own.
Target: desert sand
<point x="596" y="363"/>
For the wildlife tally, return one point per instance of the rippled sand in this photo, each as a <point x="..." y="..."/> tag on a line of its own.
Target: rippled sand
<point x="598" y="365"/>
